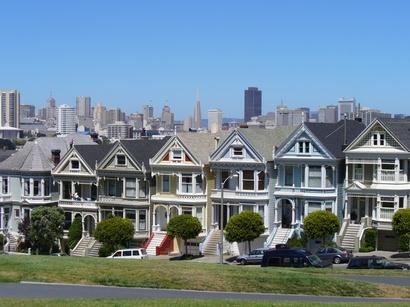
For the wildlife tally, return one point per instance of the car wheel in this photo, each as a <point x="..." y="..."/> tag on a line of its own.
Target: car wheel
<point x="336" y="260"/>
<point x="243" y="261"/>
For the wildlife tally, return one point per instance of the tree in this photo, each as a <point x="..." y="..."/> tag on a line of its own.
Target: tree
<point x="245" y="226"/>
<point x="46" y="228"/>
<point x="75" y="232"/>
<point x="184" y="226"/>
<point x="320" y="225"/>
<point x="114" y="233"/>
<point x="401" y="227"/>
<point x="24" y="229"/>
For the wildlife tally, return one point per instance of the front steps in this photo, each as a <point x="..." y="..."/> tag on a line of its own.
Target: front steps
<point x="11" y="244"/>
<point x="154" y="242"/>
<point x="349" y="238"/>
<point x="281" y="237"/>
<point x="87" y="246"/>
<point x="211" y="246"/>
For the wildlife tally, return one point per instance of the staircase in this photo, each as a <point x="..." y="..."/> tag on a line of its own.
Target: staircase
<point x="155" y="241"/>
<point x="349" y="238"/>
<point x="11" y="245"/>
<point x="211" y="246"/>
<point x="94" y="249"/>
<point x="281" y="237"/>
<point x="80" y="249"/>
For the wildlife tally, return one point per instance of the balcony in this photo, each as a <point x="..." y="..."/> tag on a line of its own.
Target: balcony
<point x="179" y="198"/>
<point x="390" y="176"/>
<point x="5" y="198"/>
<point x="77" y="204"/>
<point x="386" y="214"/>
<point x="39" y="199"/>
<point x="241" y="195"/>
<point x="300" y="191"/>
<point x="105" y="199"/>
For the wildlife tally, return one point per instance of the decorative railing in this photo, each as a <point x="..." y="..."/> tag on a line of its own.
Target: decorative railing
<point x="387" y="175"/>
<point x="386" y="214"/>
<point x="77" y="203"/>
<point x="240" y="194"/>
<point x="304" y="189"/>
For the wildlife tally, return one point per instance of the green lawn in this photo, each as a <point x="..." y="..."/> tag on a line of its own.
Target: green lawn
<point x="186" y="275"/>
<point x="174" y="302"/>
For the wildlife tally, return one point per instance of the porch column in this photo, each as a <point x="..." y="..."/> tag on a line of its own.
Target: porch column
<point x="374" y="212"/>
<point x="31" y="186"/>
<point x="396" y="203"/>
<point x="73" y="187"/>
<point x="306" y="175"/>
<point x="123" y="187"/>
<point x="378" y="206"/>
<point x="323" y="172"/>
<point x="405" y="205"/>
<point x="396" y="169"/>
<point x="293" y="213"/>
<point x="42" y="187"/>
<point x="154" y="217"/>
<point x="1" y="185"/>
<point x="347" y="209"/>
<point x="22" y="186"/>
<point x="306" y="208"/>
<point x="99" y="215"/>
<point x="61" y="189"/>
<point x="276" y="211"/>
<point x="366" y="202"/>
<point x="1" y="218"/>
<point x="379" y="169"/>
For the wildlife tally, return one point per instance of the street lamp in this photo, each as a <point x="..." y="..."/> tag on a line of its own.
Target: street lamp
<point x="221" y="239"/>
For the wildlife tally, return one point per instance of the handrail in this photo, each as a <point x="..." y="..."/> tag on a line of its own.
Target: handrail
<point x="271" y="236"/>
<point x="163" y="248"/>
<point x="205" y="242"/>
<point x="148" y="241"/>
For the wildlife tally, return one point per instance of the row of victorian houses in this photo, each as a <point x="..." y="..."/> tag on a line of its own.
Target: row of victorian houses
<point x="359" y="173"/>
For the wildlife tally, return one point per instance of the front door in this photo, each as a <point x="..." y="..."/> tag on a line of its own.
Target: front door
<point x="286" y="214"/>
<point x="89" y="225"/>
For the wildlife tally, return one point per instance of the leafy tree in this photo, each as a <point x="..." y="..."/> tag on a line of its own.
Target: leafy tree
<point x="114" y="232"/>
<point x="320" y="225"/>
<point x="75" y="232"/>
<point x="245" y="226"/>
<point x="184" y="226"/>
<point x="401" y="227"/>
<point x="46" y="228"/>
<point x="24" y="228"/>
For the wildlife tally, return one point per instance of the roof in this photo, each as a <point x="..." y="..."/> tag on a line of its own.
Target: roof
<point x="264" y="140"/>
<point x="93" y="154"/>
<point x="201" y="145"/>
<point x="400" y="128"/>
<point x="36" y="155"/>
<point x="144" y="149"/>
<point x="4" y="154"/>
<point x="331" y="135"/>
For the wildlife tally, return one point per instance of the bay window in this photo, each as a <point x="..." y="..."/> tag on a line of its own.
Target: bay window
<point x="315" y="176"/>
<point x="248" y="180"/>
<point x="130" y="187"/>
<point x="186" y="183"/>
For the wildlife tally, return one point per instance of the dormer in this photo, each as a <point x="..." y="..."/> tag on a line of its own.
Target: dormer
<point x="75" y="165"/>
<point x="120" y="159"/>
<point x="176" y="154"/>
<point x="237" y="150"/>
<point x="378" y="138"/>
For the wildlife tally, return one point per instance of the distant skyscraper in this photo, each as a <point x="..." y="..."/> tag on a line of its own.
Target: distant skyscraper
<point x="214" y="120"/>
<point x="287" y="117"/>
<point x="167" y="118"/>
<point x="187" y="123"/>
<point x="347" y="106"/>
<point x="114" y="115"/>
<point x="66" y="119"/>
<point x="197" y="113"/>
<point x="83" y="106"/>
<point x="253" y="103"/>
<point x="119" y="130"/>
<point x="27" y="111"/>
<point x="51" y="110"/>
<point x="328" y="114"/>
<point x="148" y="114"/>
<point x="100" y="115"/>
<point x="10" y="108"/>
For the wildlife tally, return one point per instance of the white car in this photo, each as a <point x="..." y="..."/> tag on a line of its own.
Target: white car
<point x="131" y="253"/>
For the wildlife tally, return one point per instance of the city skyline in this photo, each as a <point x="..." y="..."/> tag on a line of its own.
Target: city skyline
<point x="304" y="55"/>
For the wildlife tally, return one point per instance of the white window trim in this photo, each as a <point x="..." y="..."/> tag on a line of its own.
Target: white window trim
<point x="172" y="154"/>
<point x="232" y="152"/>
<point x="71" y="165"/>
<point x="162" y="184"/>
<point x="116" y="160"/>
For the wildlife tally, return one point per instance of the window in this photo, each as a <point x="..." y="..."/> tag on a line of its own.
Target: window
<point x="131" y="215"/>
<point x="401" y="202"/>
<point x="261" y="181"/>
<point x="186" y="210"/>
<point x="248" y="180"/>
<point x="142" y="188"/>
<point x="135" y="252"/>
<point x="186" y="183"/>
<point x="17" y="212"/>
<point x="199" y="214"/>
<point x="126" y="253"/>
<point x="114" y="187"/>
<point x="5" y="185"/>
<point x="379" y="139"/>
<point x="117" y="254"/>
<point x="142" y="219"/>
<point x="247" y="208"/>
<point x="121" y="160"/>
<point x="27" y="187"/>
<point x="304" y="147"/>
<point x="261" y="210"/>
<point x="387" y="202"/>
<point x="36" y="187"/>
<point x="328" y="206"/>
<point x="358" y="171"/>
<point x="130" y="187"/>
<point x="288" y="175"/>
<point x="75" y="164"/>
<point x="165" y="183"/>
<point x="177" y="154"/>
<point x="388" y="165"/>
<point x="314" y="206"/>
<point x="329" y="177"/>
<point x="315" y="176"/>
<point x="198" y="184"/>
<point x="237" y="151"/>
<point x="67" y="220"/>
<point x="46" y="187"/>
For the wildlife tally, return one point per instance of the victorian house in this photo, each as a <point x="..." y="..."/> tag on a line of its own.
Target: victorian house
<point x="377" y="182"/>
<point x="243" y="170"/>
<point x="309" y="171"/>
<point x="182" y="176"/>
<point x="26" y="181"/>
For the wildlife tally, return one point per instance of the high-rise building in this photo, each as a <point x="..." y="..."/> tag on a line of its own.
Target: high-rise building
<point x="51" y="110"/>
<point x="347" y="106"/>
<point x="136" y="120"/>
<point x="167" y="118"/>
<point x="66" y="120"/>
<point x="100" y="115"/>
<point x="187" y="123"/>
<point x="114" y="115"/>
<point x="214" y="120"/>
<point x="148" y="114"/>
<point x="328" y="114"/>
<point x="197" y="113"/>
<point x="10" y="108"/>
<point x="119" y="130"/>
<point x="83" y="106"/>
<point x="253" y="103"/>
<point x="287" y="117"/>
<point x="27" y="111"/>
<point x="368" y="115"/>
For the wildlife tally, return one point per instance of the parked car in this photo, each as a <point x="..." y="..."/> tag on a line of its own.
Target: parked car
<point x="375" y="262"/>
<point x="254" y="257"/>
<point x="131" y="253"/>
<point x="335" y="254"/>
<point x="292" y="258"/>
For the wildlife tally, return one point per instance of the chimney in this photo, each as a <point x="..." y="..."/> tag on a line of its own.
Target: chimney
<point x="216" y="141"/>
<point x="94" y="137"/>
<point x="55" y="156"/>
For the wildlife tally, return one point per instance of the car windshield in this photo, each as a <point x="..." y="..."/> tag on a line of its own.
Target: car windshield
<point x="143" y="251"/>
<point x="314" y="260"/>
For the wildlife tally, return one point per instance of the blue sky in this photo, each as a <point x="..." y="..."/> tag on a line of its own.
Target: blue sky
<point x="126" y="53"/>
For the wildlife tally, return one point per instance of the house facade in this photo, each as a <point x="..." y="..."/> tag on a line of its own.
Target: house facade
<point x="377" y="181"/>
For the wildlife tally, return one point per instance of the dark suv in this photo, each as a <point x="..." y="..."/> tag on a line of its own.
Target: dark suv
<point x="334" y="254"/>
<point x="291" y="258"/>
<point x="375" y="262"/>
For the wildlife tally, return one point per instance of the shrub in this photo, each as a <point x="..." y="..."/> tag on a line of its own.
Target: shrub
<point x="245" y="226"/>
<point x="404" y="242"/>
<point x="1" y="241"/>
<point x="366" y="249"/>
<point x="296" y="242"/>
<point x="369" y="239"/>
<point x="184" y="226"/>
<point x="401" y="227"/>
<point x="321" y="225"/>
<point x="114" y="233"/>
<point x="106" y="250"/>
<point x="75" y="232"/>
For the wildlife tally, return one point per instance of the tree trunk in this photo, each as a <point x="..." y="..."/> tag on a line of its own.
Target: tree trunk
<point x="186" y="247"/>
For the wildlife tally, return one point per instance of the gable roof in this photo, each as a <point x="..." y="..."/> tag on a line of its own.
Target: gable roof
<point x="331" y="135"/>
<point x="93" y="154"/>
<point x="264" y="140"/>
<point x="400" y="128"/>
<point x="36" y="155"/>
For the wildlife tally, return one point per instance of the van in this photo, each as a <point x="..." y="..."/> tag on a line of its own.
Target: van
<point x="131" y="253"/>
<point x="296" y="258"/>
